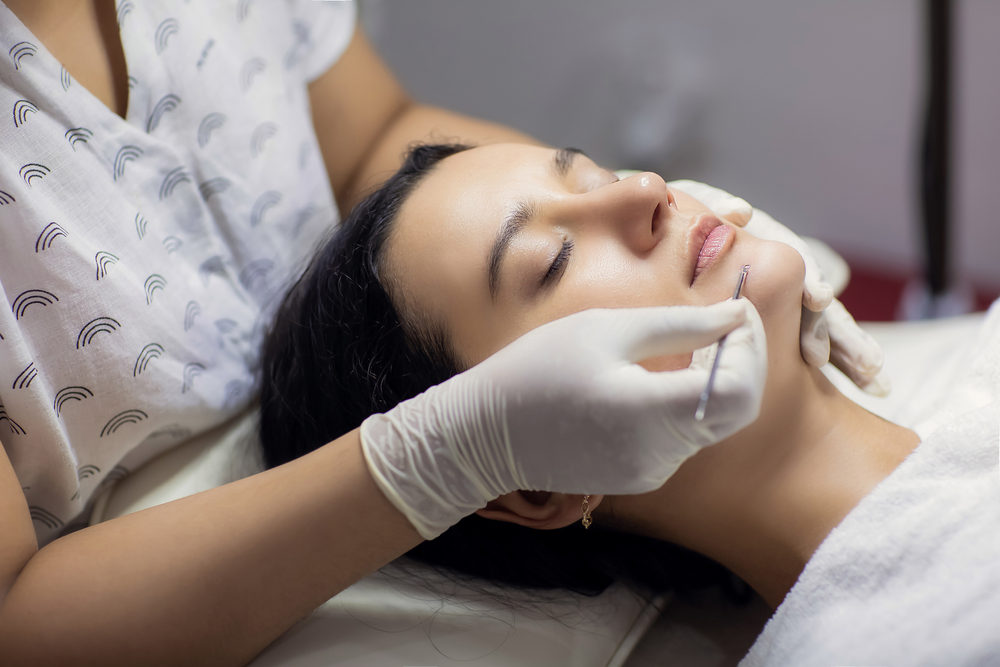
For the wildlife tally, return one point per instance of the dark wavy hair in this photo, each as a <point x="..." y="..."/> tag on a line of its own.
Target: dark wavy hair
<point x="342" y="348"/>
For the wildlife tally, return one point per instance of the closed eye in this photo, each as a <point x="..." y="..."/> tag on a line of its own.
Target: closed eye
<point x="558" y="265"/>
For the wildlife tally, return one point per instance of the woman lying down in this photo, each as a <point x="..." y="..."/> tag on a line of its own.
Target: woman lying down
<point x="873" y="544"/>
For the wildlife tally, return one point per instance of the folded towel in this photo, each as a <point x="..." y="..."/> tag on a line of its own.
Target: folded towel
<point x="912" y="574"/>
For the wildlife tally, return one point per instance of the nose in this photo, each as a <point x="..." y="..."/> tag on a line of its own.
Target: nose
<point x="635" y="209"/>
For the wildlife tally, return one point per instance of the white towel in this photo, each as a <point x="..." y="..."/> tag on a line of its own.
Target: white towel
<point x="912" y="574"/>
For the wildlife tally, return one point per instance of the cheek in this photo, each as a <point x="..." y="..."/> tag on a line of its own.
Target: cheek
<point x="609" y="282"/>
<point x="611" y="276"/>
<point x="603" y="276"/>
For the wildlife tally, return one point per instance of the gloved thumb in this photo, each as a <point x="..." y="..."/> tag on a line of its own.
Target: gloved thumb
<point x="727" y="206"/>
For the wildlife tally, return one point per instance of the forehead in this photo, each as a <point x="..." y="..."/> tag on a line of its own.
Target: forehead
<point x="463" y="188"/>
<point x="437" y="252"/>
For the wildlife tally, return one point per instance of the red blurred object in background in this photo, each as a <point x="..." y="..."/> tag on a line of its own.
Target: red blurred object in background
<point x="873" y="294"/>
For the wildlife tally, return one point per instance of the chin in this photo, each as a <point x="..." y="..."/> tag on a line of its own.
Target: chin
<point x="774" y="286"/>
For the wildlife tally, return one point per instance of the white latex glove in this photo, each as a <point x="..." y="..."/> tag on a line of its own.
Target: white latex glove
<point x="828" y="332"/>
<point x="567" y="408"/>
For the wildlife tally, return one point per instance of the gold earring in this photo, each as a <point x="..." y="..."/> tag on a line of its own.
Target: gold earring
<point x="586" y="520"/>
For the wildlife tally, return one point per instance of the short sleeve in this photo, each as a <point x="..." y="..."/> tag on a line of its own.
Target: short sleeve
<point x="326" y="27"/>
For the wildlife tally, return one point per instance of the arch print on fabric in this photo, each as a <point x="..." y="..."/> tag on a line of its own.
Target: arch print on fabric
<point x="29" y="298"/>
<point x="173" y="178"/>
<point x="48" y="236"/>
<point x="146" y="355"/>
<point x="44" y="517"/>
<point x="167" y="103"/>
<point x="20" y="51"/>
<point x="140" y="225"/>
<point x="191" y="371"/>
<point x="191" y="311"/>
<point x="33" y="171"/>
<point x="255" y="273"/>
<point x="213" y="186"/>
<point x="21" y="110"/>
<point x="262" y="204"/>
<point x="103" y="259"/>
<point x="164" y="31"/>
<point x="25" y="377"/>
<point x="85" y="190"/>
<point x="152" y="285"/>
<point x="77" y="135"/>
<point x="208" y="125"/>
<point x="260" y="135"/>
<point x="250" y="70"/>
<point x="85" y="471"/>
<point x="131" y="416"/>
<point x="94" y="327"/>
<point x="69" y="394"/>
<point x="12" y="425"/>
<point x="125" y="155"/>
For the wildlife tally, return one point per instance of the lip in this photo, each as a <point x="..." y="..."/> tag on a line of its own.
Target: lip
<point x="708" y="239"/>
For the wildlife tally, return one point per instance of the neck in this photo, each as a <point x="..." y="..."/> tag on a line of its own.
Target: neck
<point x="42" y="16"/>
<point x="761" y="502"/>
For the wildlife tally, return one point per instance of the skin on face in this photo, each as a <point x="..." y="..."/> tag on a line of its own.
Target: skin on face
<point x="590" y="241"/>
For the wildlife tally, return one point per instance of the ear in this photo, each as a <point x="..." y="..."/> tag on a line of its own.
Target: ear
<point x="542" y="510"/>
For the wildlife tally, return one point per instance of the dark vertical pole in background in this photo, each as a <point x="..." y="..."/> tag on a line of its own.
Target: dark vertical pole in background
<point x="935" y="165"/>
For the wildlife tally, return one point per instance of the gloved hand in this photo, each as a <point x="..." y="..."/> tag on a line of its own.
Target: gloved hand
<point x="828" y="332"/>
<point x="567" y="408"/>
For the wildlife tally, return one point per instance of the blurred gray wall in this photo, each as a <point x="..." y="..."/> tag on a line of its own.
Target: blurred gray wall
<point x="807" y="108"/>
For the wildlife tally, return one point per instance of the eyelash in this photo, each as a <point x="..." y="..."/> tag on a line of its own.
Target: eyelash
<point x="559" y="263"/>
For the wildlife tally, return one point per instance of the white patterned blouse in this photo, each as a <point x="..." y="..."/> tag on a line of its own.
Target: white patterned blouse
<point x="139" y="257"/>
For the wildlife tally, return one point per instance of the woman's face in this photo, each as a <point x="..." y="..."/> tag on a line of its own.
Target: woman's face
<point x="500" y="239"/>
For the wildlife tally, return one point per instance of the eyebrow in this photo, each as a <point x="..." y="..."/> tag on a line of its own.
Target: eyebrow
<point x="518" y="218"/>
<point x="563" y="160"/>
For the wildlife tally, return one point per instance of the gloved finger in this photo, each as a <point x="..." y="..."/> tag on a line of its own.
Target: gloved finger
<point x="866" y="376"/>
<point x="738" y="388"/>
<point x="816" y="292"/>
<point x="814" y="338"/>
<point x="651" y="332"/>
<point x="877" y="386"/>
<point x="852" y="349"/>
<point x="736" y="396"/>
<point x="744" y="356"/>
<point x="875" y="383"/>
<point x="724" y="204"/>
